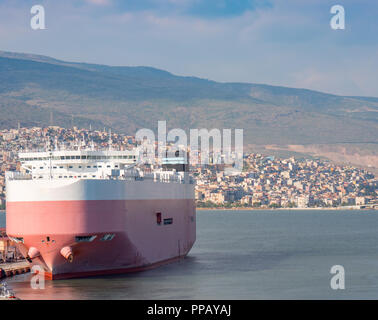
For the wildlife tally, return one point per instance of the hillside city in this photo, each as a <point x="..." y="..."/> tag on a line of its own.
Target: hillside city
<point x="265" y="182"/>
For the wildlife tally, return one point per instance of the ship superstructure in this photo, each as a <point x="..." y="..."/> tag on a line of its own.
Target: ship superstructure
<point x="84" y="164"/>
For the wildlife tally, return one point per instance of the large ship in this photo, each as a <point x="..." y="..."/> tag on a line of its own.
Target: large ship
<point x="88" y="212"/>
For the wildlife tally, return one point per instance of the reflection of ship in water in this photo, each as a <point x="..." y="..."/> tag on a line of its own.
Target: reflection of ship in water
<point x="86" y="212"/>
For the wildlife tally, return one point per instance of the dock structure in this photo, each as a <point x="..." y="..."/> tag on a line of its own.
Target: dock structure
<point x="8" y="249"/>
<point x="5" y="293"/>
<point x="13" y="268"/>
<point x="11" y="260"/>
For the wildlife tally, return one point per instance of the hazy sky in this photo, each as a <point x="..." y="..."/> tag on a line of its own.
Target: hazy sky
<point x="279" y="42"/>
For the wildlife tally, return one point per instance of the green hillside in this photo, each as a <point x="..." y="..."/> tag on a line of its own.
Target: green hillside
<point x="129" y="98"/>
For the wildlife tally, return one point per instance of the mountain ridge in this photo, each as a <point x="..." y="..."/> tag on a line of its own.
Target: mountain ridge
<point x="128" y="98"/>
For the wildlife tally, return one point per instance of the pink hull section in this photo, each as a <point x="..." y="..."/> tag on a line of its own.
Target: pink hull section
<point x="139" y="241"/>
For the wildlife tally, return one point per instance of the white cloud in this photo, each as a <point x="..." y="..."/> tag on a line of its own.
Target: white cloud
<point x="289" y="44"/>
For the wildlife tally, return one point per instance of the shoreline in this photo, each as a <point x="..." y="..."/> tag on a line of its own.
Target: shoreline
<point x="271" y="209"/>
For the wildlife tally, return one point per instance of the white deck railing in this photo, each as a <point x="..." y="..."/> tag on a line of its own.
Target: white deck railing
<point x="129" y="176"/>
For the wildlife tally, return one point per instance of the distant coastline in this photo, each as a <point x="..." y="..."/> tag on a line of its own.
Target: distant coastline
<point x="278" y="209"/>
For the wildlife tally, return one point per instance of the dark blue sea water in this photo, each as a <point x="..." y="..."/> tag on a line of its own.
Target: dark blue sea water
<point x="275" y="254"/>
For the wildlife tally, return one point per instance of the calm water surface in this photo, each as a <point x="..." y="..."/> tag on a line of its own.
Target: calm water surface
<point x="2" y="219"/>
<point x="248" y="255"/>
